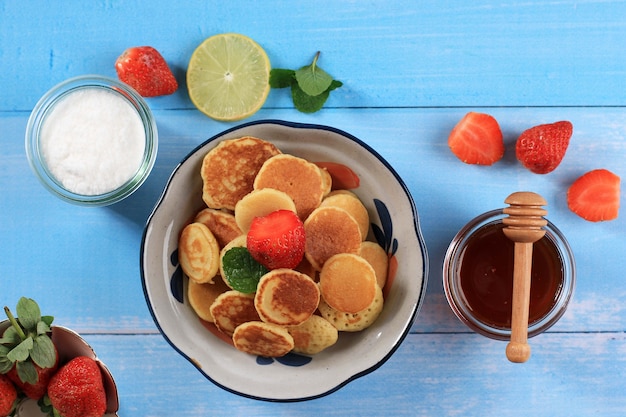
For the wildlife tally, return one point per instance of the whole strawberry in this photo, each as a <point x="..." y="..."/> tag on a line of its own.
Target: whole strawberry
<point x="145" y="69"/>
<point x="28" y="356"/>
<point x="76" y="390"/>
<point x="8" y="396"/>
<point x="277" y="240"/>
<point x="542" y="148"/>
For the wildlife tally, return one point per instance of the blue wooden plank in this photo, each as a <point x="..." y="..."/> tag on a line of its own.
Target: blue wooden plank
<point x="430" y="375"/>
<point x="388" y="53"/>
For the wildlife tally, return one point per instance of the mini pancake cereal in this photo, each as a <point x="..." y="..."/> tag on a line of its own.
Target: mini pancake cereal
<point x="335" y="288"/>
<point x="232" y="308"/>
<point x="263" y="339"/>
<point x="198" y="253"/>
<point x="350" y="203"/>
<point x="329" y="231"/>
<point x="202" y="296"/>
<point x="228" y="170"/>
<point x="286" y="297"/>
<point x="313" y="336"/>
<point x="353" y="322"/>
<point x="299" y="178"/>
<point x="221" y="223"/>
<point x="348" y="283"/>
<point x="260" y="203"/>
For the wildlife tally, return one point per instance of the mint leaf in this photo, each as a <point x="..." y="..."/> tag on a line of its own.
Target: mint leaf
<point x="306" y="103"/>
<point x="282" y="78"/>
<point x="312" y="79"/>
<point x="335" y="85"/>
<point x="241" y="270"/>
<point x="43" y="352"/>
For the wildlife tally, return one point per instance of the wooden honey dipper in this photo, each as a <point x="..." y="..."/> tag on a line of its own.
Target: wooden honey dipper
<point x="524" y="226"/>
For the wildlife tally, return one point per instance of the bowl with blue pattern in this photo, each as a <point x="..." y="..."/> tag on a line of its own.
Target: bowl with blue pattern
<point x="293" y="377"/>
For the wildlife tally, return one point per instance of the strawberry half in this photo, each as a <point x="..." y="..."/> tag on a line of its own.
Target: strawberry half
<point x="477" y="139"/>
<point x="277" y="240"/>
<point x="542" y="148"/>
<point x="595" y="196"/>
<point x="77" y="390"/>
<point x="145" y="70"/>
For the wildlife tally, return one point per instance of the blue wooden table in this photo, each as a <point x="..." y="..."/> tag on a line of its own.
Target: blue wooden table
<point x="411" y="70"/>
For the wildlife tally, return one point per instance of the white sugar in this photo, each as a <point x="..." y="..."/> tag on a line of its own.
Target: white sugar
<point x="93" y="141"/>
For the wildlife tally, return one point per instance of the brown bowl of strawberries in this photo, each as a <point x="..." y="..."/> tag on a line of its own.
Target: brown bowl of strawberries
<point x="48" y="370"/>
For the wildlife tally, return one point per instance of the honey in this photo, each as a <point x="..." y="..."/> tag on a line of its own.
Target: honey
<point x="478" y="277"/>
<point x="486" y="276"/>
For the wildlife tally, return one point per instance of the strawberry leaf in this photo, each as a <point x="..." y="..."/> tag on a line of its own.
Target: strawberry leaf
<point x="5" y="363"/>
<point x="43" y="352"/>
<point x="27" y="372"/>
<point x="21" y="352"/>
<point x="10" y="337"/>
<point x="28" y="313"/>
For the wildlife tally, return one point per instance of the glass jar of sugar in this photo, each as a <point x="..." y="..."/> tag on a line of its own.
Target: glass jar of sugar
<point x="91" y="140"/>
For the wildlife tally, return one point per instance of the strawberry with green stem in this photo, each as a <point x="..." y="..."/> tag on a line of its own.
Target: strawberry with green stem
<point x="27" y="354"/>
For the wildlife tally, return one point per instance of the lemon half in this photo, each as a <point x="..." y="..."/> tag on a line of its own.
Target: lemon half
<point x="228" y="77"/>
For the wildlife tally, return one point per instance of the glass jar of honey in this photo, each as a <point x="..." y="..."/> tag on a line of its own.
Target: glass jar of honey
<point x="478" y="277"/>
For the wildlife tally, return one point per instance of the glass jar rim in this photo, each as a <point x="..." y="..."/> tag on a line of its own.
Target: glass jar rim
<point x="44" y="106"/>
<point x="454" y="294"/>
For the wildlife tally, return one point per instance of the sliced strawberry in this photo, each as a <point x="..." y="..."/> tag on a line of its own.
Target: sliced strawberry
<point x="542" y="148"/>
<point x="145" y="69"/>
<point x="477" y="139"/>
<point x="595" y="196"/>
<point x="277" y="240"/>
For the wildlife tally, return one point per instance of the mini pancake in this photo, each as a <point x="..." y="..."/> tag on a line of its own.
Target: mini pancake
<point x="239" y="241"/>
<point x="263" y="339"/>
<point x="221" y="223"/>
<point x="202" y="296"/>
<point x="348" y="283"/>
<point x="286" y="297"/>
<point x="327" y="180"/>
<point x="313" y="336"/>
<point x="232" y="308"/>
<point x="198" y="253"/>
<point x="353" y="322"/>
<point x="376" y="256"/>
<point x="260" y="203"/>
<point x="329" y="231"/>
<point x="228" y="170"/>
<point x="350" y="203"/>
<point x="299" y="178"/>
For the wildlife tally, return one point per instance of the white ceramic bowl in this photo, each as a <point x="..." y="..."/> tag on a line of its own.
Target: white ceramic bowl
<point x="293" y="377"/>
<point x="69" y="345"/>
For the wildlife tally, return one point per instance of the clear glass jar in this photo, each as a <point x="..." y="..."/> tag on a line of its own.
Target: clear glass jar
<point x="472" y="280"/>
<point x="45" y="107"/>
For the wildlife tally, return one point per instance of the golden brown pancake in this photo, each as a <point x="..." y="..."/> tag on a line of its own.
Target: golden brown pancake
<point x="353" y="322"/>
<point x="263" y="339"/>
<point x="260" y="203"/>
<point x="198" y="253"/>
<point x="329" y="231"/>
<point x="232" y="308"/>
<point x="348" y="283"/>
<point x="221" y="223"/>
<point x="327" y="181"/>
<point x="350" y="203"/>
<point x="313" y="336"/>
<point x="299" y="178"/>
<point x="202" y="296"/>
<point x="228" y="170"/>
<point x="376" y="256"/>
<point x="286" y="297"/>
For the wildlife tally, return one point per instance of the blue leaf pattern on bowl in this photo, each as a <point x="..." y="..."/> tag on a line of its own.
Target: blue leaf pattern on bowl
<point x="176" y="280"/>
